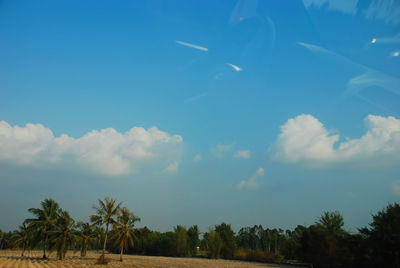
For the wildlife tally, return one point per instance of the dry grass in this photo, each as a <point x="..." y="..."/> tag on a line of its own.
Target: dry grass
<point x="13" y="259"/>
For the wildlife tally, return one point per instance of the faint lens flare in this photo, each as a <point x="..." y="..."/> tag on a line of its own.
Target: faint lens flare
<point x="396" y="54"/>
<point x="373" y="41"/>
<point x="237" y="68"/>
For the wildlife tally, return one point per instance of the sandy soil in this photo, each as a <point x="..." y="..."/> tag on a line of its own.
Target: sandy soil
<point x="13" y="259"/>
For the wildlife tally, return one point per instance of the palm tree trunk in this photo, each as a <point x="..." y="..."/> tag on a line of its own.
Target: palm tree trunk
<point x="23" y="250"/>
<point x="122" y="250"/>
<point x="105" y="243"/>
<point x="44" y="246"/>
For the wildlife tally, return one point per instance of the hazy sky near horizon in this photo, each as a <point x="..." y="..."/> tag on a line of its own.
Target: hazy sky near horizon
<point x="198" y="112"/>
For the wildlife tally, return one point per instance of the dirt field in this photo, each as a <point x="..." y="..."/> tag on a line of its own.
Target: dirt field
<point x="13" y="259"/>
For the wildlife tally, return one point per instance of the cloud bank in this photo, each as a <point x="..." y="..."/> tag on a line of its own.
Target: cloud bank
<point x="305" y="141"/>
<point x="106" y="152"/>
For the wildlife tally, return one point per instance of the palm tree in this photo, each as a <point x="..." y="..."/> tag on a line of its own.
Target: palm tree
<point x="22" y="238"/>
<point x="87" y="236"/>
<point x="64" y="235"/>
<point x="123" y="229"/>
<point x="106" y="211"/>
<point x="45" y="221"/>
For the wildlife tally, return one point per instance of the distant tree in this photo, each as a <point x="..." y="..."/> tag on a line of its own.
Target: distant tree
<point x="228" y="240"/>
<point x="214" y="243"/>
<point x="106" y="212"/>
<point x="384" y="237"/>
<point x="87" y="236"/>
<point x="193" y="239"/>
<point x="64" y="236"/>
<point x="123" y="233"/>
<point x="45" y="221"/>
<point x="2" y="234"/>
<point x="181" y="241"/>
<point x="22" y="238"/>
<point x="332" y="222"/>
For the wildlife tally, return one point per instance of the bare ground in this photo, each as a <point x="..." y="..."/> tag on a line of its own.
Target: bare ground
<point x="13" y="259"/>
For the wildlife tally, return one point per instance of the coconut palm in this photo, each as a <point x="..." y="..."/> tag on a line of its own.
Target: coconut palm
<point x="64" y="235"/>
<point x="22" y="238"/>
<point x="106" y="212"/>
<point x="123" y="229"/>
<point x="87" y="236"/>
<point x="45" y="221"/>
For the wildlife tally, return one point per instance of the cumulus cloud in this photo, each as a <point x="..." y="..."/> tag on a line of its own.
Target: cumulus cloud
<point x="172" y="168"/>
<point x="251" y="183"/>
<point x="345" y="6"/>
<point x="197" y="158"/>
<point x="242" y="154"/>
<point x="304" y="140"/>
<point x="106" y="152"/>
<point x="220" y="149"/>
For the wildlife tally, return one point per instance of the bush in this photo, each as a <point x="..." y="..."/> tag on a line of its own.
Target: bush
<point x="256" y="255"/>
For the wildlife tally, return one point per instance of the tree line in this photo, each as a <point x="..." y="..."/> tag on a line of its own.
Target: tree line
<point x="112" y="229"/>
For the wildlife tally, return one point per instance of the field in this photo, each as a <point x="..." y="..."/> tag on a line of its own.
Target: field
<point x="13" y="259"/>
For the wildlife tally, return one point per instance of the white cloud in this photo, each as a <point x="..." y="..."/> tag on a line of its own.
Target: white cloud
<point x="251" y="183"/>
<point x="236" y="68"/>
<point x="242" y="154"/>
<point x="197" y="158"/>
<point x="386" y="10"/>
<point x="345" y="6"/>
<point x="191" y="45"/>
<point x="220" y="149"/>
<point x="304" y="140"/>
<point x="105" y="152"/>
<point x="172" y="168"/>
<point x="396" y="187"/>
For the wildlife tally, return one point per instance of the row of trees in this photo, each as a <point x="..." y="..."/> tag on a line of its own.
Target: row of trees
<point x="323" y="244"/>
<point x="52" y="228"/>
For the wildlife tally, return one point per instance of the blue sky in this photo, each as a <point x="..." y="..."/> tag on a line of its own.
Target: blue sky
<point x="198" y="112"/>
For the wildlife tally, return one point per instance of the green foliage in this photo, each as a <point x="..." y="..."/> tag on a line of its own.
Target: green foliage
<point x="384" y="237"/>
<point x="44" y="223"/>
<point x="22" y="238"/>
<point x="87" y="236"/>
<point x="214" y="244"/>
<point x="123" y="234"/>
<point x="331" y="222"/>
<point x="228" y="240"/>
<point x="106" y="211"/>
<point x="181" y="241"/>
<point x="193" y="239"/>
<point x="64" y="236"/>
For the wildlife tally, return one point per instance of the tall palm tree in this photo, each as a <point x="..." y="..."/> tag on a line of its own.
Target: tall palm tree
<point x="45" y="221"/>
<point x="87" y="236"/>
<point x="106" y="212"/>
<point x="123" y="229"/>
<point x="64" y="235"/>
<point x="22" y="238"/>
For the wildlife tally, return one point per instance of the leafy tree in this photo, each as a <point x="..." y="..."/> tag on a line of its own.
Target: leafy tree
<point x="228" y="240"/>
<point x="384" y="237"/>
<point x="214" y="243"/>
<point x="22" y="238"/>
<point x="64" y="236"/>
<point x="123" y="229"/>
<point x="181" y="241"/>
<point x="45" y="221"/>
<point x="2" y="235"/>
<point x="332" y="222"/>
<point x="193" y="239"/>
<point x="87" y="236"/>
<point x="106" y="212"/>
